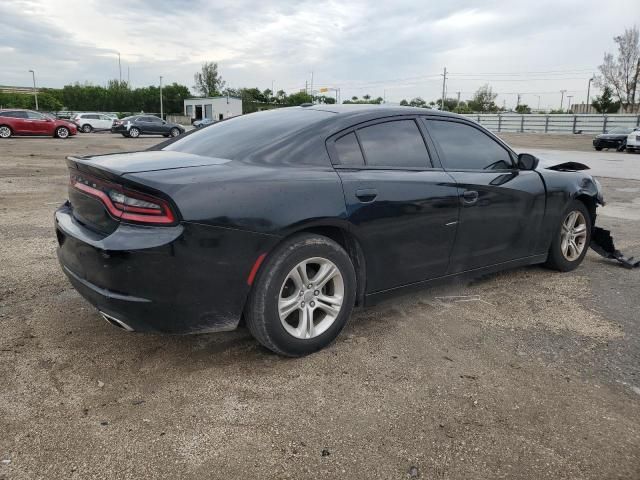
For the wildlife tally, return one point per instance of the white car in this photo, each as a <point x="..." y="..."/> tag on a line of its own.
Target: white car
<point x="88" y="122"/>
<point x="633" y="141"/>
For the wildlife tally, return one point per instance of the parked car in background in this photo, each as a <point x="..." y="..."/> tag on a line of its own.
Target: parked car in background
<point x="204" y="122"/>
<point x="29" y="122"/>
<point x="88" y="122"/>
<point x="289" y="217"/>
<point x="614" y="138"/>
<point x="633" y="141"/>
<point x="137" y="125"/>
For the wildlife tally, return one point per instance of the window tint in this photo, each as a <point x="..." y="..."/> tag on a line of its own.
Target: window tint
<point x="34" y="116"/>
<point x="242" y="135"/>
<point x="348" y="150"/>
<point x="155" y="119"/>
<point x="19" y="114"/>
<point x="7" y="114"/>
<point x="466" y="147"/>
<point x="394" y="144"/>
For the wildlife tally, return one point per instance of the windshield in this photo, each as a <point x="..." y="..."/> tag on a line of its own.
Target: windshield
<point x="239" y="136"/>
<point x="621" y="130"/>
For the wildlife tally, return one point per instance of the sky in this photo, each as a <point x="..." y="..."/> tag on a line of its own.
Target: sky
<point x="392" y="49"/>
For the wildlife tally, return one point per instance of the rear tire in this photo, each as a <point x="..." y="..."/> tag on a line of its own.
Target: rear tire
<point x="174" y="132"/>
<point x="134" y="132"/>
<point x="571" y="239"/>
<point x="86" y="128"/>
<point x="622" y="147"/>
<point x="5" y="131"/>
<point x="598" y="148"/>
<point x="294" y="319"/>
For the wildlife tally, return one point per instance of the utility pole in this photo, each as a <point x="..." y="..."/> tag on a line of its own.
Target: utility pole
<point x="538" y="102"/>
<point x="306" y="87"/>
<point x="384" y="96"/>
<point x="444" y="85"/>
<point x="161" y="112"/>
<point x="562" y="98"/>
<point x="569" y="97"/>
<point x="119" y="67"/>
<point x="128" y="77"/>
<point x="458" y="102"/>
<point x="589" y="92"/>
<point x="311" y="86"/>
<point x="518" y="101"/>
<point x="35" y="90"/>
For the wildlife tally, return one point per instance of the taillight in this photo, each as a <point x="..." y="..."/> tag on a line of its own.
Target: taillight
<point x="123" y="203"/>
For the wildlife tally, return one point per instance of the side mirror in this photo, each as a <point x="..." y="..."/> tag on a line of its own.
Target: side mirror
<point x="526" y="161"/>
<point x="164" y="122"/>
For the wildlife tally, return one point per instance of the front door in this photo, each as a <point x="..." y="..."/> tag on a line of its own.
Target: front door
<point x="502" y="207"/>
<point x="38" y="124"/>
<point x="403" y="209"/>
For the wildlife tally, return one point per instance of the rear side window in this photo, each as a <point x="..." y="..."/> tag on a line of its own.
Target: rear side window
<point x="467" y="148"/>
<point x="35" y="116"/>
<point x="394" y="144"/>
<point x="348" y="150"/>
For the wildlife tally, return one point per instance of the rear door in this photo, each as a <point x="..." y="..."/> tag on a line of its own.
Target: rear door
<point x="502" y="207"/>
<point x="403" y="207"/>
<point x="18" y="121"/>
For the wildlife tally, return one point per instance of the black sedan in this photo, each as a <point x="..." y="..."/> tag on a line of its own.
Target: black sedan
<point x="614" y="138"/>
<point x="138" y="125"/>
<point x="288" y="218"/>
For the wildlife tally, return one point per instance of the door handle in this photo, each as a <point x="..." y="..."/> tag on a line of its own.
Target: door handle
<point x="470" y="197"/>
<point x="366" y="195"/>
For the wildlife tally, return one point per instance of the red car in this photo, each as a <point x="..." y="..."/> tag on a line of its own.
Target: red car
<point x="28" y="122"/>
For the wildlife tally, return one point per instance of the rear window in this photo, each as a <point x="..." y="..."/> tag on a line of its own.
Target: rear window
<point x="237" y="137"/>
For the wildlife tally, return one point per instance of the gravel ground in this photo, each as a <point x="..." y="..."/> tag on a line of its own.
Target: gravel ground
<point x="534" y="375"/>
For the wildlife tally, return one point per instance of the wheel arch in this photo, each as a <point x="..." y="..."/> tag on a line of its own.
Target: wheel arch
<point x="341" y="234"/>
<point x="590" y="202"/>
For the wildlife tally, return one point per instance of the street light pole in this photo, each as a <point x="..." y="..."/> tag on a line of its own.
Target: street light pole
<point x="538" y="103"/>
<point x="569" y="97"/>
<point x="588" y="93"/>
<point x="35" y="91"/>
<point x="161" y="116"/>
<point x="119" y="68"/>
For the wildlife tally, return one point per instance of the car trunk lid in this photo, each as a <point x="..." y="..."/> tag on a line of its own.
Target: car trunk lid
<point x="101" y="196"/>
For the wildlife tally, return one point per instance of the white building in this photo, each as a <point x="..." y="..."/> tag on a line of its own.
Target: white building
<point x="215" y="108"/>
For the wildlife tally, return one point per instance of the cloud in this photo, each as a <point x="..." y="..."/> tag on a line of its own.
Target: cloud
<point x="397" y="48"/>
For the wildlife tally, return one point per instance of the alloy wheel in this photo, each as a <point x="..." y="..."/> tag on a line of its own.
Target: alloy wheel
<point x="5" y="132"/>
<point x="62" y="132"/>
<point x="573" y="236"/>
<point x="134" y="133"/>
<point x="175" y="132"/>
<point x="311" y="298"/>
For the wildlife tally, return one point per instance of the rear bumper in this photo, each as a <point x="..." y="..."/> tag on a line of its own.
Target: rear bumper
<point x="188" y="278"/>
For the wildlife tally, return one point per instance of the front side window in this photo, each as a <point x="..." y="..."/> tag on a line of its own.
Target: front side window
<point x="34" y="116"/>
<point x="467" y="148"/>
<point x="394" y="144"/>
<point x="348" y="151"/>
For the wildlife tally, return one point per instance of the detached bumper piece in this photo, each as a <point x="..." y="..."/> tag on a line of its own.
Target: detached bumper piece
<point x="602" y="243"/>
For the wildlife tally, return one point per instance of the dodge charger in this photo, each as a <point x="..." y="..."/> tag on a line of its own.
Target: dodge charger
<point x="286" y="220"/>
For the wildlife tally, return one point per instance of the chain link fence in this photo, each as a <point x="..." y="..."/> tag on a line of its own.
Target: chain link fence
<point x="563" y="123"/>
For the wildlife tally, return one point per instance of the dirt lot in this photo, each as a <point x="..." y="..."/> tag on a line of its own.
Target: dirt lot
<point x="536" y="375"/>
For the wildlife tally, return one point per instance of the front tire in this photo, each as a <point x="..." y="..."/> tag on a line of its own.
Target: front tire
<point x="62" y="132"/>
<point x="572" y="238"/>
<point x="598" y="148"/>
<point x="302" y="297"/>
